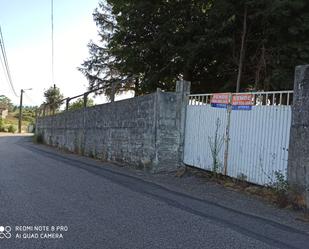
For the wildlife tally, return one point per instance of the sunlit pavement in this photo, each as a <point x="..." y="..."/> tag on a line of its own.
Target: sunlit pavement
<point x="55" y="200"/>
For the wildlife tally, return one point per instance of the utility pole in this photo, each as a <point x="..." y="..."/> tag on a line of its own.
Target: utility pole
<point x="113" y="92"/>
<point x="53" y="106"/>
<point x="52" y="40"/>
<point x="242" y="50"/>
<point x="20" y="110"/>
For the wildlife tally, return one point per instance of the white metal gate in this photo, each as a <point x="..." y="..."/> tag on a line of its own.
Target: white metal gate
<point x="249" y="144"/>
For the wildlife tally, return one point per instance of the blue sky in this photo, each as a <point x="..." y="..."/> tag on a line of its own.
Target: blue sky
<point x="26" y="26"/>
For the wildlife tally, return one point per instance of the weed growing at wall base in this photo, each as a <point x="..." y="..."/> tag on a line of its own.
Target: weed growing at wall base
<point x="286" y="194"/>
<point x="215" y="146"/>
<point x="38" y="138"/>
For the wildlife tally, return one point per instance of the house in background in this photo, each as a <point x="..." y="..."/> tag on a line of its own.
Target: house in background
<point x="3" y="112"/>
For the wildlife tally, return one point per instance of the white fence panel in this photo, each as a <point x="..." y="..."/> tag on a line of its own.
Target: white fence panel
<point x="259" y="141"/>
<point x="200" y="132"/>
<point x="258" y="138"/>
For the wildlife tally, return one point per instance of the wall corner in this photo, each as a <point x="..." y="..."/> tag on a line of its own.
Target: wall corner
<point x="298" y="160"/>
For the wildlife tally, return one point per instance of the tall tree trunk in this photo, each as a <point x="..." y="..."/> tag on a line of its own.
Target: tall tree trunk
<point x="136" y="87"/>
<point x="260" y="65"/>
<point x="187" y="75"/>
<point x="242" y="50"/>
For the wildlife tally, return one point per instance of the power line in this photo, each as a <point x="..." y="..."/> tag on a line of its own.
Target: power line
<point x="3" y="67"/>
<point x="52" y="38"/>
<point x="6" y="64"/>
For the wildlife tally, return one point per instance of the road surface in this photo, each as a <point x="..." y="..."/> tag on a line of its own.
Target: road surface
<point x="50" y="199"/>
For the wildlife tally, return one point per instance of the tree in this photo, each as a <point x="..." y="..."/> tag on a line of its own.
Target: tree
<point x="53" y="97"/>
<point x="273" y="45"/>
<point x="79" y="104"/>
<point x="29" y="113"/>
<point x="6" y="103"/>
<point x="212" y="43"/>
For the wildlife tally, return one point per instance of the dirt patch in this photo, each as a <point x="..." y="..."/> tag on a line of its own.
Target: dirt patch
<point x="290" y="199"/>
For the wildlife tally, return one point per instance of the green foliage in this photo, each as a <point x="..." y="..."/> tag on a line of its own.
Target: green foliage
<point x="28" y="114"/>
<point x="5" y="102"/>
<point x="38" y="138"/>
<point x="52" y="98"/>
<point x="2" y="126"/>
<point x="281" y="185"/>
<point x="150" y="44"/>
<point x="283" y="190"/>
<point x="78" y="104"/>
<point x="6" y="126"/>
<point x="12" y="128"/>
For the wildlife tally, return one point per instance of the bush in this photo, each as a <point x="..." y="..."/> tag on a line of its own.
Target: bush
<point x="2" y="126"/>
<point x="38" y="138"/>
<point x="12" y="128"/>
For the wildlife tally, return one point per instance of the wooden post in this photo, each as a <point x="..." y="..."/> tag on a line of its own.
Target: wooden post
<point x="85" y="99"/>
<point x="67" y="104"/>
<point x="242" y="50"/>
<point x="227" y="135"/>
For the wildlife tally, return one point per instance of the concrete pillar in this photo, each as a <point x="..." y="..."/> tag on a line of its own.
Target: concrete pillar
<point x="182" y="91"/>
<point x="183" y="87"/>
<point x="298" y="165"/>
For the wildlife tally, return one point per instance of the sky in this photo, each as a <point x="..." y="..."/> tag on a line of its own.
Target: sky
<point x="26" y="28"/>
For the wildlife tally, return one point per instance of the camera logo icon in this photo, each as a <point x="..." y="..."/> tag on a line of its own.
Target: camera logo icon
<point x="5" y="232"/>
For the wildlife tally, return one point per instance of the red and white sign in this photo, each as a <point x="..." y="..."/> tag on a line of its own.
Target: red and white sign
<point x="242" y="99"/>
<point x="220" y="98"/>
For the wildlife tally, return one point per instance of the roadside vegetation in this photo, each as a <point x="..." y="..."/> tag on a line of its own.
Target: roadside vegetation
<point x="38" y="138"/>
<point x="216" y="45"/>
<point x="10" y="122"/>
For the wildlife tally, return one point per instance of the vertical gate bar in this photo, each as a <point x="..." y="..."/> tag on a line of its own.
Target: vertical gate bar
<point x="288" y="99"/>
<point x="266" y="99"/>
<point x="280" y="99"/>
<point x="227" y="133"/>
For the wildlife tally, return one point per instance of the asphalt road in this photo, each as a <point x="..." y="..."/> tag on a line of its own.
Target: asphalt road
<point x="95" y="205"/>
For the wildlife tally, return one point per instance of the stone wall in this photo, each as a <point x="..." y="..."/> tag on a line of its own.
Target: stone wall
<point x="145" y="131"/>
<point x="298" y="167"/>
